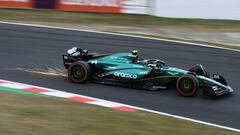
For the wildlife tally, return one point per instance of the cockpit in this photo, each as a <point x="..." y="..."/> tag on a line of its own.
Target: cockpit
<point x="147" y="62"/>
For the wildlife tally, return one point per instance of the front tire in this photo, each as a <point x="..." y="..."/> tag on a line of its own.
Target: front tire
<point x="79" y="72"/>
<point x="187" y="85"/>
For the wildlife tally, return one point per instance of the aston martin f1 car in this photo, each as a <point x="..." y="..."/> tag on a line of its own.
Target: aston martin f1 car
<point x="126" y="69"/>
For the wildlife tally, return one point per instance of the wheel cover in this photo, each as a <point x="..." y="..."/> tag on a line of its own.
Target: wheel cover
<point x="186" y="85"/>
<point x="78" y="73"/>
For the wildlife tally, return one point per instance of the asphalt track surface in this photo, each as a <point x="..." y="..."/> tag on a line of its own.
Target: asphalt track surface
<point x="34" y="47"/>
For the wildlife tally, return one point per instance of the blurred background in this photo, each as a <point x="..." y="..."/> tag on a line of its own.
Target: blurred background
<point x="207" y="9"/>
<point x="202" y="21"/>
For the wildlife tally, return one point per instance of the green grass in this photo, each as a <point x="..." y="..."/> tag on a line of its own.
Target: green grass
<point x="52" y="16"/>
<point x="122" y="23"/>
<point x="35" y="115"/>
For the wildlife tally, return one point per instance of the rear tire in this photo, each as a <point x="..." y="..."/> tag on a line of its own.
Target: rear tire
<point x="79" y="72"/>
<point x="187" y="85"/>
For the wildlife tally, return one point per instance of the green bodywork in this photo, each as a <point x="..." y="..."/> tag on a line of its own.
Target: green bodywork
<point x="128" y="67"/>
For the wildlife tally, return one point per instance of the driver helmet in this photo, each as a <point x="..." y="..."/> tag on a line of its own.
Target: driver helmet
<point x="134" y="52"/>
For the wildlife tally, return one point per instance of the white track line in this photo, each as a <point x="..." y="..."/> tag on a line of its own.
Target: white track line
<point x="134" y="107"/>
<point x="60" y="94"/>
<point x="14" y="86"/>
<point x="135" y="36"/>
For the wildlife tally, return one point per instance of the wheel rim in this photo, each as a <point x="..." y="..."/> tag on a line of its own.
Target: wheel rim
<point x="186" y="85"/>
<point x="78" y="73"/>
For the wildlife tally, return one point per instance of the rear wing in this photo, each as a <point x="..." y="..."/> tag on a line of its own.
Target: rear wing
<point x="68" y="60"/>
<point x="76" y="54"/>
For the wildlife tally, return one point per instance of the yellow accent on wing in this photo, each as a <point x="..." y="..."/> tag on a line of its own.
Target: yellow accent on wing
<point x="202" y="69"/>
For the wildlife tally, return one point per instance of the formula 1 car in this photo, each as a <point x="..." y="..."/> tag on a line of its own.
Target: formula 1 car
<point x="126" y="69"/>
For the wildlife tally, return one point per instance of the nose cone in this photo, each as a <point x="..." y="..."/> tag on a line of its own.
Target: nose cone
<point x="230" y="89"/>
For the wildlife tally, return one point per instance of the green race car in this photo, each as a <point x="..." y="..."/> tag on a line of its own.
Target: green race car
<point x="126" y="69"/>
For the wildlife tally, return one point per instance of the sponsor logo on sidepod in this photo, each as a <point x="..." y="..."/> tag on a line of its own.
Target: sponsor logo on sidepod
<point x="125" y="75"/>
